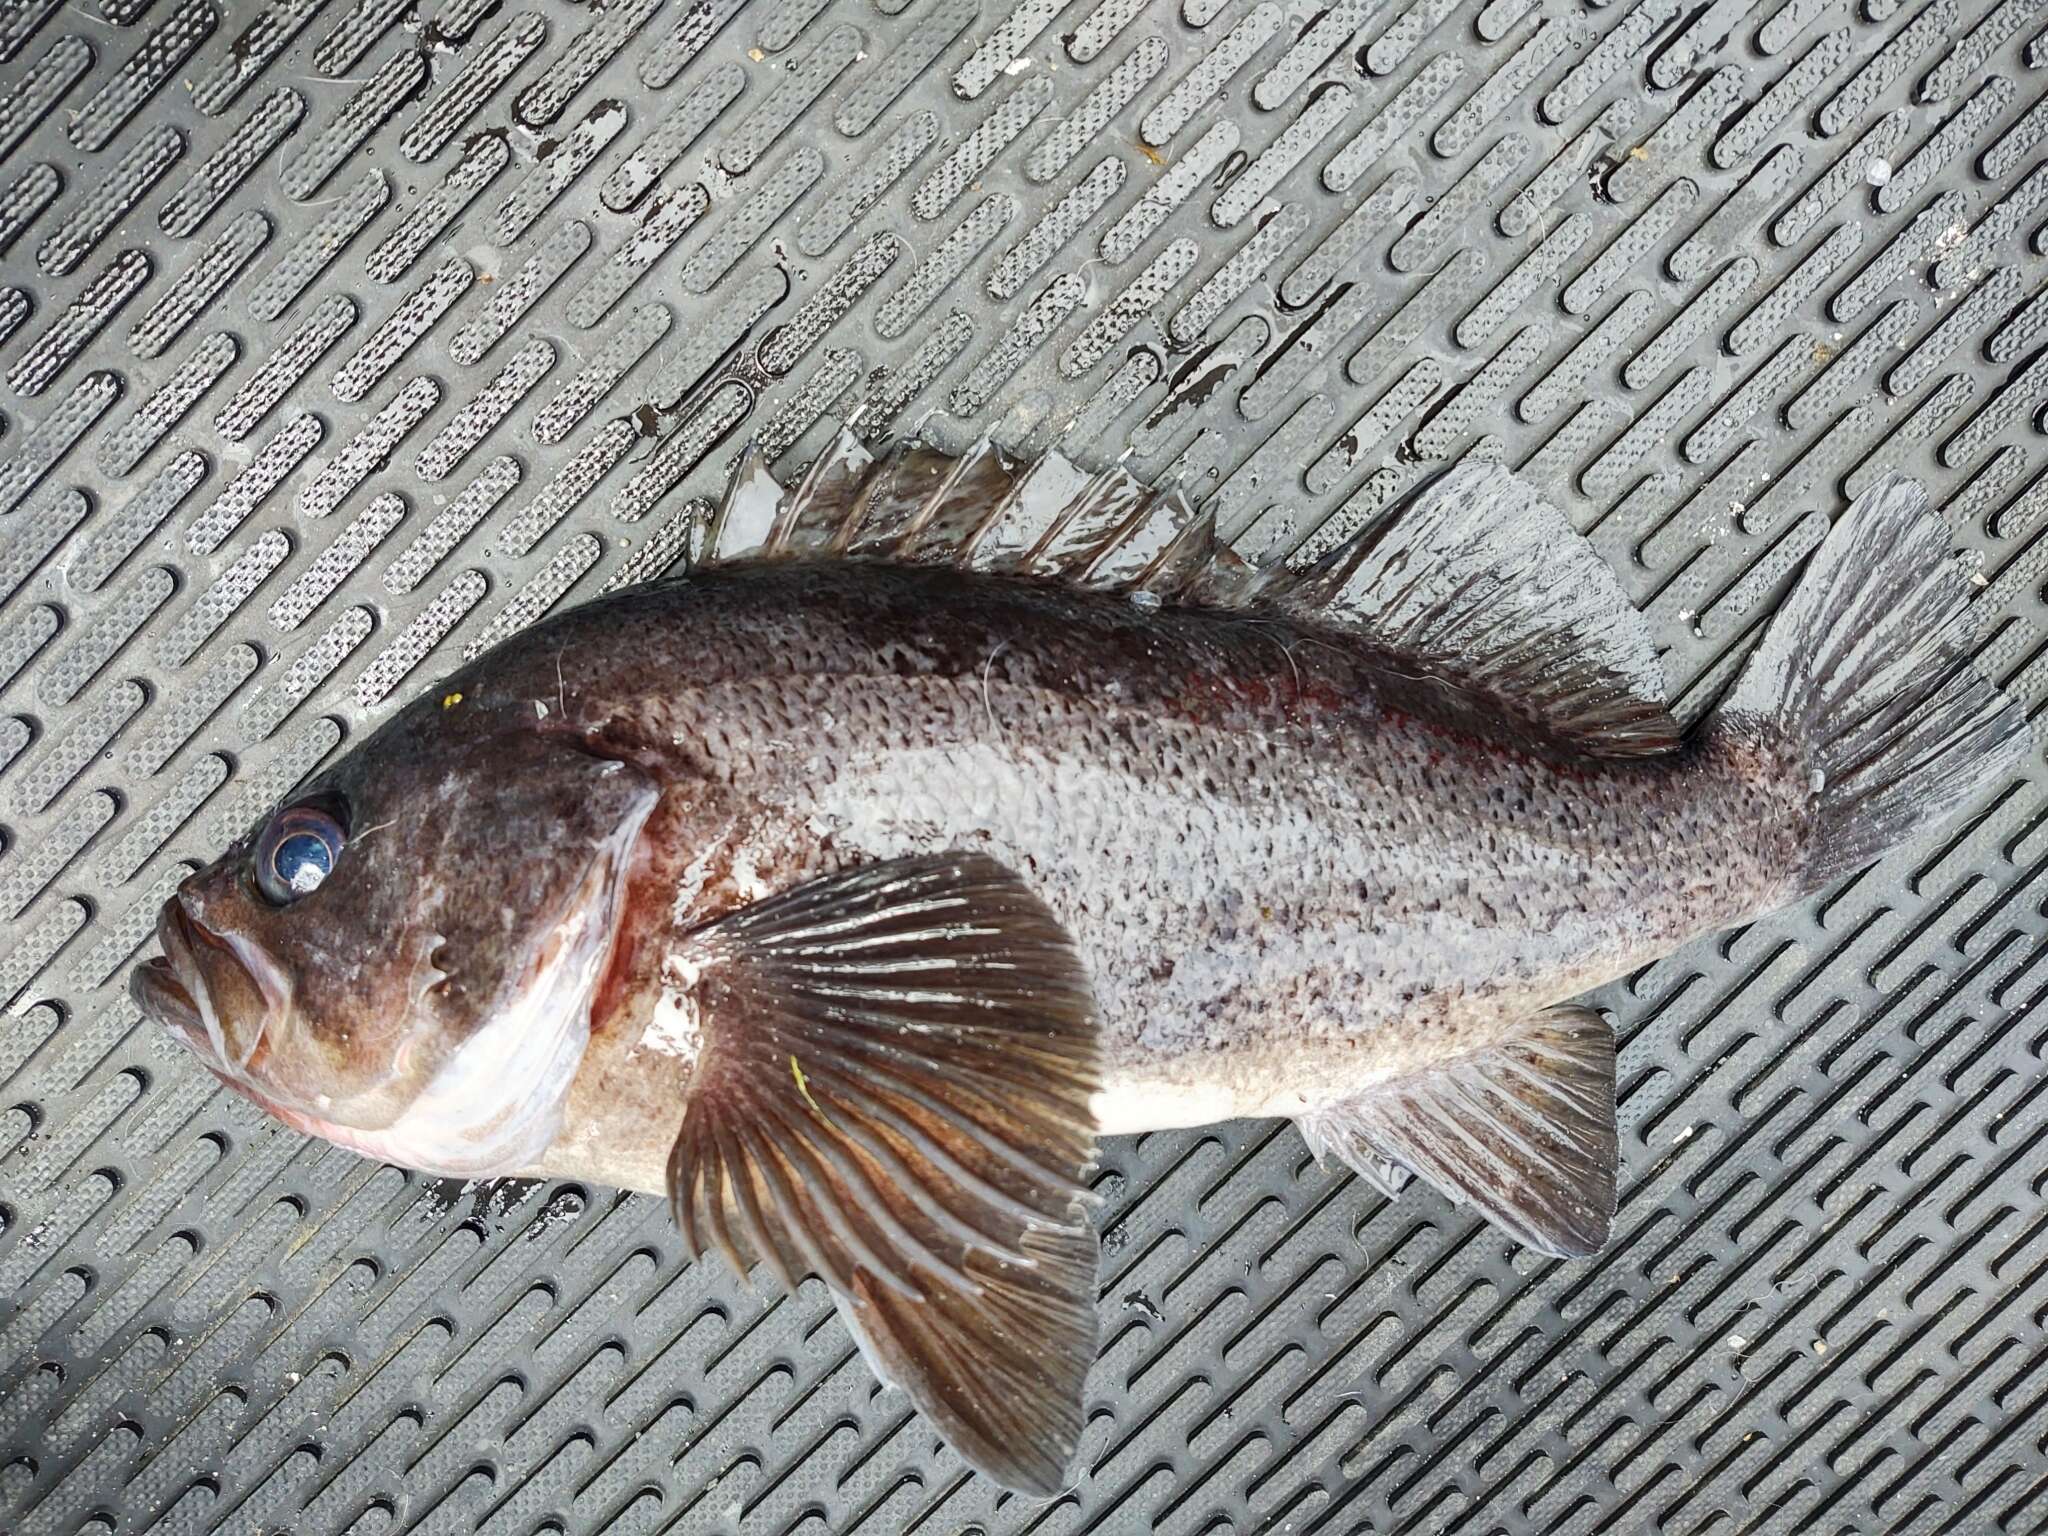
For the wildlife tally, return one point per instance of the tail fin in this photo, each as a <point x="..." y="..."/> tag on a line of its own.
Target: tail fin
<point x="1866" y="673"/>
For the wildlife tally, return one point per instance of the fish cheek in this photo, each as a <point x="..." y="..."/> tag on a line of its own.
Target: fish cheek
<point x="516" y="911"/>
<point x="360" y="1033"/>
<point x="356" y="1021"/>
<point x="451" y="917"/>
<point x="519" y="862"/>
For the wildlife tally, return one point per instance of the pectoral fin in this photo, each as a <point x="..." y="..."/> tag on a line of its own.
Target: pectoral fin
<point x="893" y="1095"/>
<point x="1522" y="1130"/>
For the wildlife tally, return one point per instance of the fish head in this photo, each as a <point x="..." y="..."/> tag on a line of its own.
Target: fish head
<point x="401" y="955"/>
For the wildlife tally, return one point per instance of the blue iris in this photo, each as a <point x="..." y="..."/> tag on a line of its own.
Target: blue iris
<point x="297" y="852"/>
<point x="302" y="861"/>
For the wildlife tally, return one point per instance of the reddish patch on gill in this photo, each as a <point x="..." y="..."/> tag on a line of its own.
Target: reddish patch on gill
<point x="647" y="917"/>
<point x="642" y="913"/>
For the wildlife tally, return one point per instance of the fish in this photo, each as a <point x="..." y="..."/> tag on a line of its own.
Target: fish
<point x="951" y="813"/>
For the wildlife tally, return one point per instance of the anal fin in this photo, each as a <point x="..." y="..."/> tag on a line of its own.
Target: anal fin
<point x="893" y="1094"/>
<point x="1523" y="1131"/>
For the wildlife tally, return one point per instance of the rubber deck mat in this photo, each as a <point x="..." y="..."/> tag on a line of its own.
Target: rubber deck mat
<point x="342" y="338"/>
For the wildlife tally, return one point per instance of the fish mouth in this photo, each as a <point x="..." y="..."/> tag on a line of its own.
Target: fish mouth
<point x="203" y="983"/>
<point x="157" y="991"/>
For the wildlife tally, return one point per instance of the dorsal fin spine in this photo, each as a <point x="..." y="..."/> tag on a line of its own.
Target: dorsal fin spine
<point x="941" y="537"/>
<point x="1106" y="507"/>
<point x="815" y="513"/>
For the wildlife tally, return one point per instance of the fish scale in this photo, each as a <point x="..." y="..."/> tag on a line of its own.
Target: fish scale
<point x="831" y="915"/>
<point x="1313" y="843"/>
<point x="1491" y="1434"/>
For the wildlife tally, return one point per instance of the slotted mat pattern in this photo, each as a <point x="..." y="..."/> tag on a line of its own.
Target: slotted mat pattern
<point x="341" y="338"/>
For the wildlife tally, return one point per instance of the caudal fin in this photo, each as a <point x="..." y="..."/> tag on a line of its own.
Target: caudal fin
<point x="1865" y="676"/>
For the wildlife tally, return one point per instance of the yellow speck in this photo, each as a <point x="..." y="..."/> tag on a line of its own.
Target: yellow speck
<point x="1822" y="351"/>
<point x="1640" y="152"/>
<point x="451" y="701"/>
<point x="1150" y="153"/>
<point x="756" y="55"/>
<point x="803" y="1087"/>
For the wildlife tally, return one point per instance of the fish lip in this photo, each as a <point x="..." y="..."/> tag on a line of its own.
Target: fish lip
<point x="155" y="988"/>
<point x="271" y="983"/>
<point x="174" y="988"/>
<point x="171" y="988"/>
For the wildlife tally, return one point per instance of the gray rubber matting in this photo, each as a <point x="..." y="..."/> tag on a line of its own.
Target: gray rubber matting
<point x="341" y="338"/>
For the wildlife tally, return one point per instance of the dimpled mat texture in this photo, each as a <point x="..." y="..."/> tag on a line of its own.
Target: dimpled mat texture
<point x="341" y="338"/>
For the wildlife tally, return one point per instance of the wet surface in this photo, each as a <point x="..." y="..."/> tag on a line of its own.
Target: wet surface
<point x="338" y="338"/>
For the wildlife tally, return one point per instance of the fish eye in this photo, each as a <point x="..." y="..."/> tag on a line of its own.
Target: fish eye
<point x="296" y="852"/>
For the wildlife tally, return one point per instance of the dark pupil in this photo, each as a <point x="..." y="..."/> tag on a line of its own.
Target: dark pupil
<point x="302" y="861"/>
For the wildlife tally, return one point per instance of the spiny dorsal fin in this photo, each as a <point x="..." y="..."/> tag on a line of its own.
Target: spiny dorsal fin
<point x="1472" y="579"/>
<point x="1476" y="580"/>
<point x="748" y="522"/>
<point x="984" y="511"/>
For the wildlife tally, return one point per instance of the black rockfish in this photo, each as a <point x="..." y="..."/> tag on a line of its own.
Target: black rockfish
<point x="949" y="816"/>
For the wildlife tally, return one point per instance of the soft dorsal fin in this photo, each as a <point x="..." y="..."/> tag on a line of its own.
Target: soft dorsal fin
<point x="1471" y="581"/>
<point x="1478" y="582"/>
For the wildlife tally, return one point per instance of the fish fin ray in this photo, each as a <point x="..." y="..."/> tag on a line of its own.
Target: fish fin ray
<point x="1523" y="1131"/>
<point x="980" y="510"/>
<point x="942" y="1206"/>
<point x="1471" y="584"/>
<point x="1476" y="582"/>
<point x="1013" y="1355"/>
<point x="1866" y="677"/>
<point x="1332" y="1133"/>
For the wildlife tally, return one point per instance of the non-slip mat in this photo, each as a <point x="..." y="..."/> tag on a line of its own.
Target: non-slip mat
<point x="340" y="338"/>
